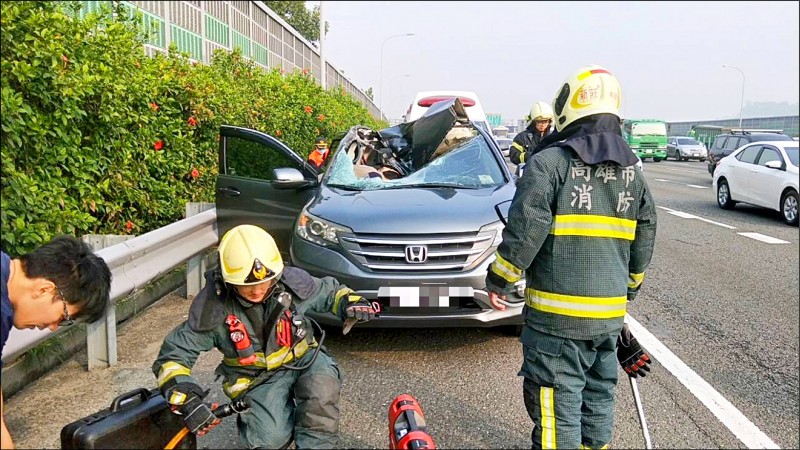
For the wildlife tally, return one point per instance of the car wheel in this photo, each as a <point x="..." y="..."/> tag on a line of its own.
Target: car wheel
<point x="678" y="157"/>
<point x="658" y="159"/>
<point x="702" y="160"/>
<point x="789" y="207"/>
<point x="724" y="195"/>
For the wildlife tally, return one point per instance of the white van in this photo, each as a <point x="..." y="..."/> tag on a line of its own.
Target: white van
<point x="472" y="105"/>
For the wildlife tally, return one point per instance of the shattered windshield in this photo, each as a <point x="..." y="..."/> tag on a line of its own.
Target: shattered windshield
<point x="440" y="149"/>
<point x="471" y="165"/>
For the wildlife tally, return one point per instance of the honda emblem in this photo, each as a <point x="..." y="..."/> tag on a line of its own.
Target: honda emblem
<point x="416" y="254"/>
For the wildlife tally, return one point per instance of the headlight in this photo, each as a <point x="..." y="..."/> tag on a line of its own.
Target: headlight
<point x="497" y="229"/>
<point x="318" y="231"/>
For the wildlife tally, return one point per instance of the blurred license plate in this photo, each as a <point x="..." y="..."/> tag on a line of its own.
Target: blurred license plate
<point x="425" y="296"/>
<point x="649" y="151"/>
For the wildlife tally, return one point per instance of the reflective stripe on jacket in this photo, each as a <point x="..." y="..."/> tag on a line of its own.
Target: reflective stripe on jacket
<point x="583" y="236"/>
<point x="183" y="345"/>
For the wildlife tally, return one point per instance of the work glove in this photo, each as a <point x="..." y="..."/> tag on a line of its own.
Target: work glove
<point x="630" y="355"/>
<point x="360" y="310"/>
<point x="198" y="417"/>
<point x="187" y="400"/>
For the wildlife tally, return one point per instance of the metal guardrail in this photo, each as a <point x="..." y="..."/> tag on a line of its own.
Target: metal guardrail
<point x="133" y="263"/>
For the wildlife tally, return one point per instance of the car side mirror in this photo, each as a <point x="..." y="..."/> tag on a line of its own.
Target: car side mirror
<point x="774" y="164"/>
<point x="502" y="211"/>
<point x="288" y="178"/>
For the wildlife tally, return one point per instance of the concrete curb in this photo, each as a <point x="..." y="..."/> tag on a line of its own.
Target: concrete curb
<point x="48" y="355"/>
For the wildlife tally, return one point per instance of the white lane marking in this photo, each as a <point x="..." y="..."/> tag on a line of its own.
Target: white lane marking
<point x="682" y="184"/>
<point x="744" y="429"/>
<point x="730" y="227"/>
<point x="764" y="238"/>
<point x="687" y="171"/>
<point x="685" y="215"/>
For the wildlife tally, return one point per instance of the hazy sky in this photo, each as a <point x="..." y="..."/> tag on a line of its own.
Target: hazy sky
<point x="668" y="56"/>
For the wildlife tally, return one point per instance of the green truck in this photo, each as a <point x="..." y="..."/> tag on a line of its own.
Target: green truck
<point x="646" y="137"/>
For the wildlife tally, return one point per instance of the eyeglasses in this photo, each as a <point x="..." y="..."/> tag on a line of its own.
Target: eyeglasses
<point x="67" y="320"/>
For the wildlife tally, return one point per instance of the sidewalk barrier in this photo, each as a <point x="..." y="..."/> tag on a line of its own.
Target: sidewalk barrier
<point x="133" y="264"/>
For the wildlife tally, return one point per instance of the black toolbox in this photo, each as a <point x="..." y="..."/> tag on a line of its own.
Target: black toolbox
<point x="138" y="419"/>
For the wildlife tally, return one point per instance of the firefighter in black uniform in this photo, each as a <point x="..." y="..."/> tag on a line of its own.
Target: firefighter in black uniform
<point x="526" y="142"/>
<point x="252" y="310"/>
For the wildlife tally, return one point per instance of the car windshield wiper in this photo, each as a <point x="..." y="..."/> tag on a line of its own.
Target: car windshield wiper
<point x="344" y="187"/>
<point x="432" y="185"/>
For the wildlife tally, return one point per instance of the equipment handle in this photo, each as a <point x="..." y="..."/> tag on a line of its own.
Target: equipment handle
<point x="640" y="409"/>
<point x="138" y="392"/>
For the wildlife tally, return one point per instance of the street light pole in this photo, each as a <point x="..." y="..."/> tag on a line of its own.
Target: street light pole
<point x="391" y="85"/>
<point x="380" y="85"/>
<point x="741" y="107"/>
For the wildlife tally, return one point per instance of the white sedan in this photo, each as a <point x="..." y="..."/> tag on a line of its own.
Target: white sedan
<point x="760" y="173"/>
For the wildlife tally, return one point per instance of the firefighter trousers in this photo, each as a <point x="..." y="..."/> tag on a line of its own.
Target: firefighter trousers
<point x="568" y="389"/>
<point x="300" y="405"/>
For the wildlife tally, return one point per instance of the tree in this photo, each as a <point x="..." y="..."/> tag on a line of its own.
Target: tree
<point x="368" y="92"/>
<point x="295" y="13"/>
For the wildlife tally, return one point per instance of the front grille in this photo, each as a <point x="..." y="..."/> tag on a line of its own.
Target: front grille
<point x="649" y="145"/>
<point x="451" y="252"/>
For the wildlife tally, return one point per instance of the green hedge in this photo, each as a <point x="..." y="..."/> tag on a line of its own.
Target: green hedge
<point x="98" y="138"/>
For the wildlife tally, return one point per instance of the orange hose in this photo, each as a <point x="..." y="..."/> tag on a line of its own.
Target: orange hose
<point x="177" y="439"/>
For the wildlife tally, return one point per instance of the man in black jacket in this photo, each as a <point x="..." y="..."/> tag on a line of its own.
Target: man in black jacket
<point x="526" y="142"/>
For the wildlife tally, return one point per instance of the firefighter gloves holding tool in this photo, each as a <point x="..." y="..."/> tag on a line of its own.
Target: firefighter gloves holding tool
<point x="198" y="416"/>
<point x="186" y="399"/>
<point x="630" y="355"/>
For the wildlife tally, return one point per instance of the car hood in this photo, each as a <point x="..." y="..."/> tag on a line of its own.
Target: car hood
<point x="411" y="210"/>
<point x="691" y="147"/>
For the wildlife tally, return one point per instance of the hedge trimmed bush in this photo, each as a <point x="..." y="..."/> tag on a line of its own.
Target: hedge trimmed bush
<point x="98" y="138"/>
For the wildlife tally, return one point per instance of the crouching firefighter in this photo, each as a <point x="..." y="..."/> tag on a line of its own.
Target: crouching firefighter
<point x="581" y="230"/>
<point x="252" y="309"/>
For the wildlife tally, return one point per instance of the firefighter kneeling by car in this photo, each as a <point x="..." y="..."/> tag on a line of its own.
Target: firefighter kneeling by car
<point x="252" y="309"/>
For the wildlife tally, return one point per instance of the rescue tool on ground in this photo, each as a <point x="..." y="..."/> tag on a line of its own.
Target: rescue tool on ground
<point x="407" y="427"/>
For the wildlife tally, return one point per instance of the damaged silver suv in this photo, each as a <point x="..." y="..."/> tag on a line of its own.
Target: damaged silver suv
<point x="408" y="216"/>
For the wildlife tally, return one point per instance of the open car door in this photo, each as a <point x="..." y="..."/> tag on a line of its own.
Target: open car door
<point x="261" y="182"/>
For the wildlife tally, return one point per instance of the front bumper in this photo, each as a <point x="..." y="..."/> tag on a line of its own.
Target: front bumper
<point x="461" y="312"/>
<point x="651" y="152"/>
<point x="689" y="154"/>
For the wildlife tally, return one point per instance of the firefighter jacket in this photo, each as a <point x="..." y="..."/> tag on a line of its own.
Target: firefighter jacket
<point x="525" y="143"/>
<point x="265" y="322"/>
<point x="581" y="228"/>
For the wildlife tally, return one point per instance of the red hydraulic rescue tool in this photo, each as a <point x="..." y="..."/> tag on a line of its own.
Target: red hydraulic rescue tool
<point x="407" y="428"/>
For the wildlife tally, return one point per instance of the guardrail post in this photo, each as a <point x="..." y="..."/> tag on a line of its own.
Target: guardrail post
<point x="101" y="336"/>
<point x="196" y="265"/>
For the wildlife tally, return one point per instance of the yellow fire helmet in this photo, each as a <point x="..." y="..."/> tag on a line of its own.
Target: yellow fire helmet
<point x="541" y="111"/>
<point x="248" y="255"/>
<point x="590" y="90"/>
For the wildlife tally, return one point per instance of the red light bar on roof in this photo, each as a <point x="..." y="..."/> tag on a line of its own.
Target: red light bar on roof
<point x="428" y="101"/>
